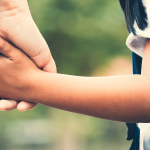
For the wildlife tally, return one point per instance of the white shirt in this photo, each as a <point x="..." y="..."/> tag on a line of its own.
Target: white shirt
<point x="137" y="44"/>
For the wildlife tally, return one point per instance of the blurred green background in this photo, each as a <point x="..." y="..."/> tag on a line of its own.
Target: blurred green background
<point x="86" y="38"/>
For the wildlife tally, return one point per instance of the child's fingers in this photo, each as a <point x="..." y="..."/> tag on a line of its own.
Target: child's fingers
<point x="23" y="106"/>
<point x="7" y="105"/>
<point x="5" y="48"/>
<point x="8" y="50"/>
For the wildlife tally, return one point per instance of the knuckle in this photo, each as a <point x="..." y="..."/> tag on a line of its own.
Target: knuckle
<point x="3" y="44"/>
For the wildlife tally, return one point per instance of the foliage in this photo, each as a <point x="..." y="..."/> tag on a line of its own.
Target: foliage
<point x="82" y="35"/>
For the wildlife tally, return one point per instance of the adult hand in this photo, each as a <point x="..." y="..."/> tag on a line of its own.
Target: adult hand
<point x="18" y="27"/>
<point x="8" y="105"/>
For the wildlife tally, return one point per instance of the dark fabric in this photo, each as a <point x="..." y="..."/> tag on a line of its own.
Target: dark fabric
<point x="137" y="63"/>
<point x="133" y="132"/>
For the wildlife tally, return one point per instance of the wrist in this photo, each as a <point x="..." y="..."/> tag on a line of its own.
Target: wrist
<point x="30" y="86"/>
<point x="42" y="88"/>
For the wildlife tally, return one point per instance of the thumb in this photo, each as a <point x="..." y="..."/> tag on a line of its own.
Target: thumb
<point x="50" y="67"/>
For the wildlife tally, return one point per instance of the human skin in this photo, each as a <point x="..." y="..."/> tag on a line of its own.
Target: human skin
<point x="18" y="27"/>
<point x="146" y="59"/>
<point x="119" y="98"/>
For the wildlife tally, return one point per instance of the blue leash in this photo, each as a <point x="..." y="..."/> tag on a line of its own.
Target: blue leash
<point x="133" y="132"/>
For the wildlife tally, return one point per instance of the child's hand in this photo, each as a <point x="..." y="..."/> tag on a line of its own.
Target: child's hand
<point x="17" y="73"/>
<point x="17" y="26"/>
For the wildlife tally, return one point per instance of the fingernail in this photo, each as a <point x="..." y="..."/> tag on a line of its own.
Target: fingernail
<point x="22" y="110"/>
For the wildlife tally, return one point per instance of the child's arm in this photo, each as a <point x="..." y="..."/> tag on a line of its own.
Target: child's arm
<point x="120" y="98"/>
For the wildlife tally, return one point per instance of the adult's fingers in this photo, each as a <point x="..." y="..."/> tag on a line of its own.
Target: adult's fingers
<point x="23" y="106"/>
<point x="8" y="105"/>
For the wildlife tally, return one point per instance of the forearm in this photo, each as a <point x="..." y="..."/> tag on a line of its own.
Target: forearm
<point x="120" y="98"/>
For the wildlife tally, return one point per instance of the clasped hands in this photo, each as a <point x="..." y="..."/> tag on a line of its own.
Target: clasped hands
<point x="18" y="27"/>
